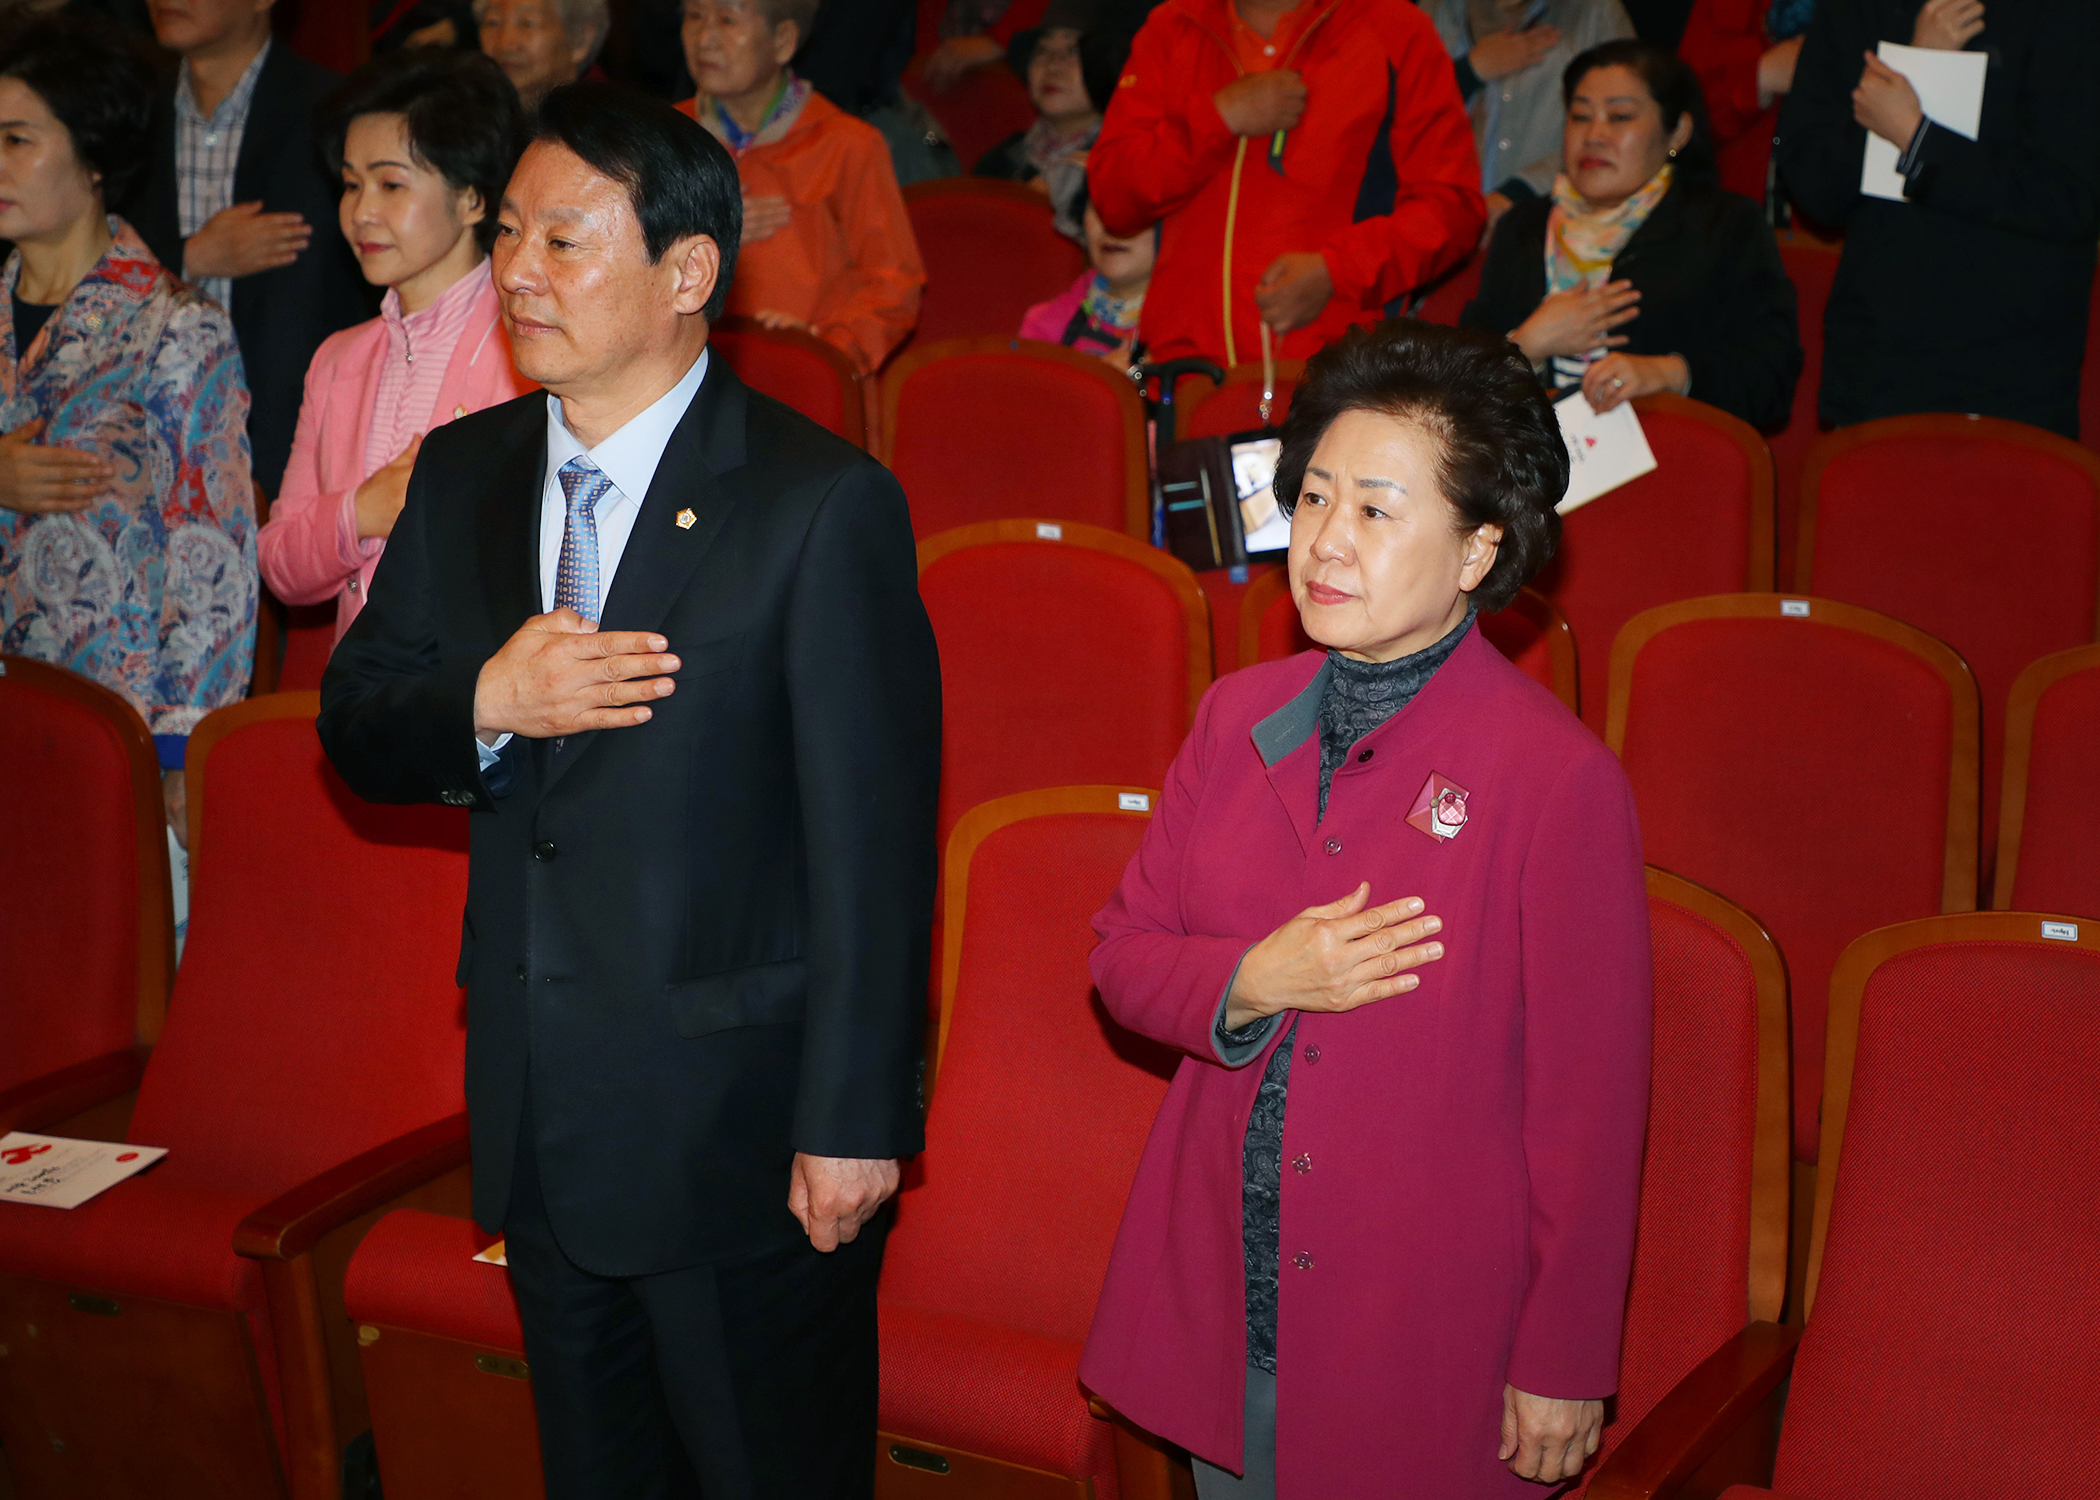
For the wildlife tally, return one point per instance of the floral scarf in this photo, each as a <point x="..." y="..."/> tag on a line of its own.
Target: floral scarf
<point x="1582" y="242"/>
<point x="1059" y="158"/>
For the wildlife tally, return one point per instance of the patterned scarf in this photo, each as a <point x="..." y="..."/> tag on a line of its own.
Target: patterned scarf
<point x="787" y="104"/>
<point x="1059" y="157"/>
<point x="1107" y="315"/>
<point x="1582" y="242"/>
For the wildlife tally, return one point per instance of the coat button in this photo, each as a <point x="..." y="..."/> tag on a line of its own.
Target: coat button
<point x="1302" y="1163"/>
<point x="1312" y="1053"/>
<point x="1334" y="846"/>
<point x="1303" y="1260"/>
<point x="1362" y="756"/>
<point x="544" y="849"/>
<point x="521" y="973"/>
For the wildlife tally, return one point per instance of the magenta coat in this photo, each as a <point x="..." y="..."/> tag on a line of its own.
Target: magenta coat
<point x="1463" y="1160"/>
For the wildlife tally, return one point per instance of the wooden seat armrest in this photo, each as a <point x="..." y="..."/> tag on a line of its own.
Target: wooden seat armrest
<point x="1686" y="1427"/>
<point x="292" y="1223"/>
<point x="57" y="1096"/>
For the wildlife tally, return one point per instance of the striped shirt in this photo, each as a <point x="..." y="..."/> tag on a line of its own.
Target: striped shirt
<point x="207" y="150"/>
<point x="419" y="349"/>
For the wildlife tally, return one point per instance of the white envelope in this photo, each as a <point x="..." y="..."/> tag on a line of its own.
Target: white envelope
<point x="1949" y="86"/>
<point x="62" y="1173"/>
<point x="1604" y="449"/>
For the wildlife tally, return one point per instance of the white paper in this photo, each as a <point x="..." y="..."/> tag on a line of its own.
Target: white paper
<point x="1949" y="86"/>
<point x="497" y="1254"/>
<point x="62" y="1173"/>
<point x="1605" y="449"/>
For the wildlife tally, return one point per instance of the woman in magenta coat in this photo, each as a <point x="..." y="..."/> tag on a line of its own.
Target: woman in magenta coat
<point x="1398" y="888"/>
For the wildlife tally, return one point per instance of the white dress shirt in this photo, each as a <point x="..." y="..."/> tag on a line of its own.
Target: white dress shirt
<point x="629" y="459"/>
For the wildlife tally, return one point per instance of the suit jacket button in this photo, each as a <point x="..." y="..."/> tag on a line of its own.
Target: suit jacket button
<point x="1364" y="755"/>
<point x="1334" y="846"/>
<point x="1303" y="1260"/>
<point x="1312" y="1053"/>
<point x="521" y="973"/>
<point x="543" y="850"/>
<point x="1302" y="1163"/>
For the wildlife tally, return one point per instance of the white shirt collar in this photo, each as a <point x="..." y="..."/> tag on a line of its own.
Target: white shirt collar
<point x="630" y="456"/>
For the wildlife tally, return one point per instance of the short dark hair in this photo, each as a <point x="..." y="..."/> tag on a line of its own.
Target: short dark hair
<point x="802" y="12"/>
<point x="1674" y="87"/>
<point x="462" y="116"/>
<point x="95" y="79"/>
<point x="1501" y="459"/>
<point x="679" y="178"/>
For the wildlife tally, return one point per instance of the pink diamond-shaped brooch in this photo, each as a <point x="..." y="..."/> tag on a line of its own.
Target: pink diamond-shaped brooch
<point x="1440" y="807"/>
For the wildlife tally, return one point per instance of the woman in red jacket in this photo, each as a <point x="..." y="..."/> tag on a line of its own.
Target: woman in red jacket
<point x="1307" y="163"/>
<point x="1743" y="52"/>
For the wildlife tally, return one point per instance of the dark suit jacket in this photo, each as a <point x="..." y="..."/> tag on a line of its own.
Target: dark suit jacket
<point x="703" y="940"/>
<point x="1712" y="289"/>
<point x="281" y="316"/>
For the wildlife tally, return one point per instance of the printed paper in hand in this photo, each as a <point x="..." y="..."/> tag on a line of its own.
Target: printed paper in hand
<point x="1949" y="86"/>
<point x="493" y="1254"/>
<point x="1605" y="449"/>
<point x="61" y="1173"/>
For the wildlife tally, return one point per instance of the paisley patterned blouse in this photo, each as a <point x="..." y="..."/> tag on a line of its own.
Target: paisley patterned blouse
<point x="152" y="589"/>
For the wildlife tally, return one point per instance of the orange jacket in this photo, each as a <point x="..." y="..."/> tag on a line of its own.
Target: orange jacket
<point x="846" y="263"/>
<point x="1379" y="177"/>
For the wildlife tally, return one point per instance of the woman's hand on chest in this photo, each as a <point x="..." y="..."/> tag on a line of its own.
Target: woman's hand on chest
<point x="1334" y="958"/>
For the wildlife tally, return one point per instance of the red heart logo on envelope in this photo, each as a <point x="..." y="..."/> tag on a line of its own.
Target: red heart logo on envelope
<point x="16" y="1156"/>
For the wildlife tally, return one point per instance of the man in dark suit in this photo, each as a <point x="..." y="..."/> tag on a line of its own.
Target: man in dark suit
<point x="663" y="636"/>
<point x="238" y="201"/>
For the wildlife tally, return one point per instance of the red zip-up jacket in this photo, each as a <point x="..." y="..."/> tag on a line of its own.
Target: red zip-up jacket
<point x="1379" y="176"/>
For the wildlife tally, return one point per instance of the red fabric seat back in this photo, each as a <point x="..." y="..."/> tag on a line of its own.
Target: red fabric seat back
<point x="1040" y="1099"/>
<point x="309" y="640"/>
<point x="1700" y="523"/>
<point x="316" y="1014"/>
<point x="991" y="253"/>
<point x="77" y="763"/>
<point x="1717" y="1113"/>
<point x="1808" y="769"/>
<point x="986" y="430"/>
<point x="1061" y="663"/>
<point x="1900" y="511"/>
<point x="2051" y="859"/>
<point x="797" y="370"/>
<point x="417" y="1270"/>
<point x="1235" y="406"/>
<point x="1952" y="1266"/>
<point x="1812" y="267"/>
<point x="982" y="108"/>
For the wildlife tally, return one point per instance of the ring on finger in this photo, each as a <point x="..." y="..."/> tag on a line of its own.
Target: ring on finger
<point x="1617" y="383"/>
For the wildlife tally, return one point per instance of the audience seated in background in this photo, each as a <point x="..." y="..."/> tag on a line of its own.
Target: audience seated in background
<point x="827" y="247"/>
<point x="1744" y="52"/>
<point x="1972" y="295"/>
<point x="423" y="23"/>
<point x="1509" y="55"/>
<point x="426" y="140"/>
<point x="231" y="198"/>
<point x="1249" y="160"/>
<point x="1098" y="313"/>
<point x="127" y="518"/>
<point x="542" y="44"/>
<point x="1069" y="88"/>
<point x="1639" y="274"/>
<point x="971" y="37"/>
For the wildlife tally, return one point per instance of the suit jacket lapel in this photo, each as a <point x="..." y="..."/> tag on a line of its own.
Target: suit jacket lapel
<point x="662" y="554"/>
<point x="507" y="521"/>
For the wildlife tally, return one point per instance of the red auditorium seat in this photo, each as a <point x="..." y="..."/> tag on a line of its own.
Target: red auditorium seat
<point x="182" y="1335"/>
<point x="2048" y="858"/>
<point x="2089" y="377"/>
<point x="985" y="106"/>
<point x="1068" y="654"/>
<point x="1986" y="533"/>
<point x="309" y="640"/>
<point x="990" y="428"/>
<point x="1811" y="264"/>
<point x="1235" y="406"/>
<point x="1446" y="299"/>
<point x="443" y="1360"/>
<point x="1951" y="1322"/>
<point x="1037" y="1098"/>
<point x="1814" y="762"/>
<point x="797" y="369"/>
<point x="991" y="253"/>
<point x="84" y="969"/>
<point x="1701" y="523"/>
<point x="1710" y="1255"/>
<point x="1530" y="632"/>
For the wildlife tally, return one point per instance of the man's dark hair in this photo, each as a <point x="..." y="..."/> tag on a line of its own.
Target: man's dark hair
<point x="1501" y="460"/>
<point x="1676" y="91"/>
<point x="96" y="80"/>
<point x="679" y="178"/>
<point x="463" y="119"/>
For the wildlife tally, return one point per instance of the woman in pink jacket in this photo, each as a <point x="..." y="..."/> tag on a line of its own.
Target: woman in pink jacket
<point x="1396" y="887"/>
<point x="427" y="140"/>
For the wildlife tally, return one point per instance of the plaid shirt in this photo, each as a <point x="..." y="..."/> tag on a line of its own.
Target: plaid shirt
<point x="207" y="149"/>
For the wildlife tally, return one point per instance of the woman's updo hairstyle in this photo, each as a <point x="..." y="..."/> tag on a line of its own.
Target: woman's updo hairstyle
<point x="1501" y="459"/>
<point x="1671" y="84"/>
<point x="96" y="81"/>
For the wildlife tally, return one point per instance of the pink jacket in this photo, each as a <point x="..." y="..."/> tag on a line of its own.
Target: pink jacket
<point x="310" y="550"/>
<point x="1463" y="1161"/>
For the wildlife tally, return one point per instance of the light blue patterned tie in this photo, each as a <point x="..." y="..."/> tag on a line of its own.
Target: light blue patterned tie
<point x="576" y="579"/>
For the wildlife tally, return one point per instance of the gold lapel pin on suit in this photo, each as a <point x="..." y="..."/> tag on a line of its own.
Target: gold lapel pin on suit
<point x="685" y="519"/>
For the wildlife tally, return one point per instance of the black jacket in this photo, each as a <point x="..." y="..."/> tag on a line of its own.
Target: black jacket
<point x="281" y="316"/>
<point x="703" y="939"/>
<point x="1973" y="296"/>
<point x="1712" y="289"/>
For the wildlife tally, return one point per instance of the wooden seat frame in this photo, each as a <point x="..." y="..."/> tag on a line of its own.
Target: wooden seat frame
<point x="1137" y="484"/>
<point x="2020" y="708"/>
